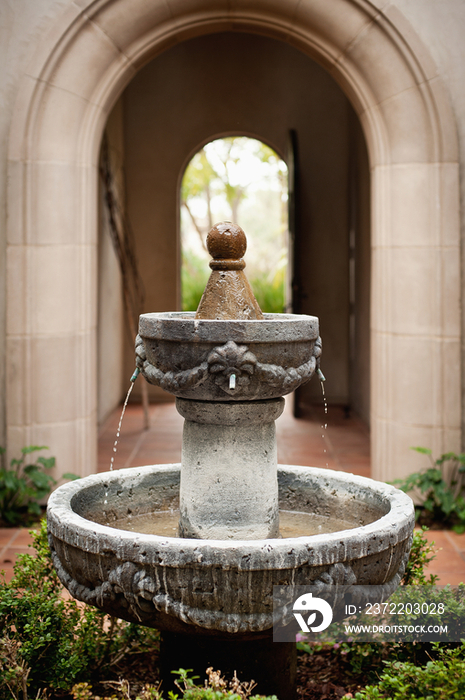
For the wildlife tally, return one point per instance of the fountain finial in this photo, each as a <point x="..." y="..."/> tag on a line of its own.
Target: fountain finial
<point x="228" y="294"/>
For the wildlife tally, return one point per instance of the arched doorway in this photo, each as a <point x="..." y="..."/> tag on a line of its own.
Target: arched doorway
<point x="244" y="180"/>
<point x="79" y="71"/>
<point x="285" y="91"/>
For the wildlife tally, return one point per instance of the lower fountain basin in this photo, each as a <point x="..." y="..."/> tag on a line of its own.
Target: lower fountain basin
<point x="220" y="586"/>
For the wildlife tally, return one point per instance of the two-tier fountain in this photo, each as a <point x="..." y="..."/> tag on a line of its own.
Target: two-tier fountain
<point x="195" y="549"/>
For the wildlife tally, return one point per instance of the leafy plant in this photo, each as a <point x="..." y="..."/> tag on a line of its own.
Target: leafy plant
<point x="49" y="643"/>
<point x="24" y="485"/>
<point x="194" y="277"/>
<point x="123" y="691"/>
<point x="270" y="293"/>
<point x="442" y="677"/>
<point x="440" y="488"/>
<point x="364" y="660"/>
<point x="422" y="553"/>
<point x="215" y="688"/>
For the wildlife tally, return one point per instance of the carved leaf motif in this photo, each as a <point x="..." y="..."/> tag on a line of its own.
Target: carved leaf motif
<point x="231" y="357"/>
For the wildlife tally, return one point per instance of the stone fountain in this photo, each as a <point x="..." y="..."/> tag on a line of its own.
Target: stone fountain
<point x="195" y="549"/>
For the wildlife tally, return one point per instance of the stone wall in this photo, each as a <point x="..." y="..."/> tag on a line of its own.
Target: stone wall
<point x="22" y="25"/>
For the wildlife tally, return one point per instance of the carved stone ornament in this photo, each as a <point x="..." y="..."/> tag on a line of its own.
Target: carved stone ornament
<point x="132" y="592"/>
<point x="170" y="381"/>
<point x="221" y="363"/>
<point x="340" y="579"/>
<point x="339" y="587"/>
<point x="232" y="359"/>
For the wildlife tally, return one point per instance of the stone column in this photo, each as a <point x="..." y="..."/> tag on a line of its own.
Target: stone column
<point x="229" y="486"/>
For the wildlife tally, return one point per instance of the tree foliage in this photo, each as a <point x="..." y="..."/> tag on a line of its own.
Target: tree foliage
<point x="242" y="180"/>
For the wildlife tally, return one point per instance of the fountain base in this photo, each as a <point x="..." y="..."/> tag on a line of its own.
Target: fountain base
<point x="272" y="666"/>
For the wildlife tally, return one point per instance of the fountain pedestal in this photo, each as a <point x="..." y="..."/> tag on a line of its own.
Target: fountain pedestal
<point x="229" y="483"/>
<point x="272" y="666"/>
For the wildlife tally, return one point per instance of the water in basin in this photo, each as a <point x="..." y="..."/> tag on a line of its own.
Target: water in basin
<point x="291" y="523"/>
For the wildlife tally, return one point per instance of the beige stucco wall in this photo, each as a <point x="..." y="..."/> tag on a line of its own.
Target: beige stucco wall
<point x="441" y="26"/>
<point x="360" y="283"/>
<point x="243" y="84"/>
<point x="22" y="24"/>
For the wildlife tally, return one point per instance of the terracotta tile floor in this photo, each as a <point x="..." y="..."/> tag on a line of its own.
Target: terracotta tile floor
<point x="343" y="445"/>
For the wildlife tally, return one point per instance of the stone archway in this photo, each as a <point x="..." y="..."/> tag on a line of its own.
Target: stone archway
<point x="78" y="72"/>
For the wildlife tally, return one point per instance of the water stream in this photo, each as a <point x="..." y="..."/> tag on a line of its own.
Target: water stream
<point x="325" y="402"/>
<point x="115" y="444"/>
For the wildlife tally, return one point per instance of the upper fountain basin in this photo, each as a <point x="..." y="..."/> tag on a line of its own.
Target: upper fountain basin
<point x="196" y="358"/>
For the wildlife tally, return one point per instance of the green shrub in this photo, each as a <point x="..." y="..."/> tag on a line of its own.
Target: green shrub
<point x="440" y="489"/>
<point x="404" y="671"/>
<point x="194" y="277"/>
<point x="24" y="486"/>
<point x="421" y="554"/>
<point x="215" y="688"/>
<point x="270" y="294"/>
<point x="442" y="678"/>
<point x="50" y="643"/>
<point x="364" y="660"/>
